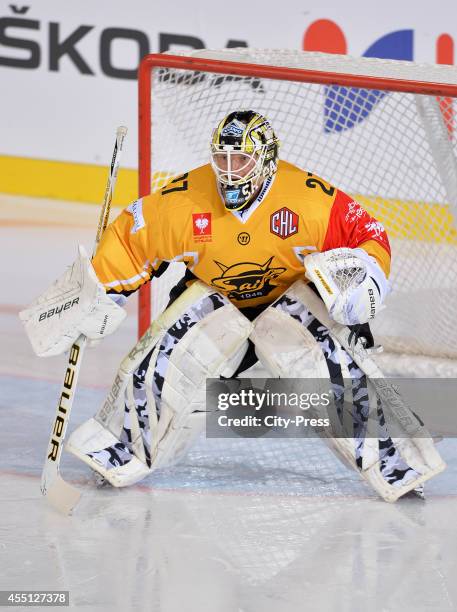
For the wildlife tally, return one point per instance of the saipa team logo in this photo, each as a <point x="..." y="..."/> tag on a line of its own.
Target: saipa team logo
<point x="201" y="227"/>
<point x="247" y="280"/>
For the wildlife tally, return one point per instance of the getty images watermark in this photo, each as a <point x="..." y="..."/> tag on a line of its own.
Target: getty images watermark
<point x="286" y="407"/>
<point x="257" y="407"/>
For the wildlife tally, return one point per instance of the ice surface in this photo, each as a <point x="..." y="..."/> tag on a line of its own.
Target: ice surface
<point x="240" y="526"/>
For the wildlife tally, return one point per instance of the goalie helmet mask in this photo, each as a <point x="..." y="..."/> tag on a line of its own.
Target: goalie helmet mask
<point x="244" y="152"/>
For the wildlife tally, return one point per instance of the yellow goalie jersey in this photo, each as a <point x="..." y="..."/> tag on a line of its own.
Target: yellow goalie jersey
<point x="251" y="258"/>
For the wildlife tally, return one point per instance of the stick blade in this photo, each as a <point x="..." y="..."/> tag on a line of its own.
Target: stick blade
<point x="61" y="495"/>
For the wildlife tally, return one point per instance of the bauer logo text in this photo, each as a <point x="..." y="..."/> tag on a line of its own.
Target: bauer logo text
<point x="64" y="404"/>
<point x="58" y="309"/>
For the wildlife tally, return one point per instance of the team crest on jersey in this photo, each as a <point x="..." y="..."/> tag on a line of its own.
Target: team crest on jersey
<point x="284" y="223"/>
<point x="247" y="280"/>
<point x="201" y="226"/>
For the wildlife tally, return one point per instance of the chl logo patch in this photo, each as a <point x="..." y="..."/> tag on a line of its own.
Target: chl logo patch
<point x="201" y="226"/>
<point x="284" y="223"/>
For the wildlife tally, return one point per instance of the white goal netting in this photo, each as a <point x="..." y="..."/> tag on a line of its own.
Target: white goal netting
<point x="395" y="152"/>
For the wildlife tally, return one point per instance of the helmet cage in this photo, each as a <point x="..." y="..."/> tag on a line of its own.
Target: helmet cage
<point x="233" y="165"/>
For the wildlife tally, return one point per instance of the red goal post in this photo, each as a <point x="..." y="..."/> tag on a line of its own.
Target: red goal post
<point x="360" y="108"/>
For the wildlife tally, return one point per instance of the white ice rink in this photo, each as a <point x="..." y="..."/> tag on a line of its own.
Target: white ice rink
<point x="241" y="526"/>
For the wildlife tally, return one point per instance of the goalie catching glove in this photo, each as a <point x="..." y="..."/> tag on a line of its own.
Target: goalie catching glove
<point x="350" y="282"/>
<point x="75" y="304"/>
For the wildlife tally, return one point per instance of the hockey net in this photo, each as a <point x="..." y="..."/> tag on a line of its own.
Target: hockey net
<point x="381" y="130"/>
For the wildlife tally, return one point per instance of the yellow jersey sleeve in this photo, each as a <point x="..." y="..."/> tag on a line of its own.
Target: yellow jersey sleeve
<point x="131" y="249"/>
<point x="148" y="232"/>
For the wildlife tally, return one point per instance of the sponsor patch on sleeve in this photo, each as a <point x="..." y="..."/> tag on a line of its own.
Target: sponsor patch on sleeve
<point x="376" y="229"/>
<point x="354" y="212"/>
<point x="136" y="210"/>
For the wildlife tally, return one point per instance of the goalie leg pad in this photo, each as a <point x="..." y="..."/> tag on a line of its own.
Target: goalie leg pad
<point x="161" y="382"/>
<point x="392" y="465"/>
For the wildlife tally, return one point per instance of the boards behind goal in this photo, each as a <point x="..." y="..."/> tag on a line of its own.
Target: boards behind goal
<point x="381" y="130"/>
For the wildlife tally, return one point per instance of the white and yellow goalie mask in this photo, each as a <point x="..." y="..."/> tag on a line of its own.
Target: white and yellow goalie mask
<point x="244" y="152"/>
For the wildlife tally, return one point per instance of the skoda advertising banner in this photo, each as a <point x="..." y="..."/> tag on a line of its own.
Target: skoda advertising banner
<point x="68" y="69"/>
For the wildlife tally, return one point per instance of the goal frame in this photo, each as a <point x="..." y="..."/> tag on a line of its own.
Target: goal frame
<point x="233" y="68"/>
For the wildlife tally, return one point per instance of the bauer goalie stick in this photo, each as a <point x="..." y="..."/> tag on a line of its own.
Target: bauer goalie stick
<point x="59" y="493"/>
